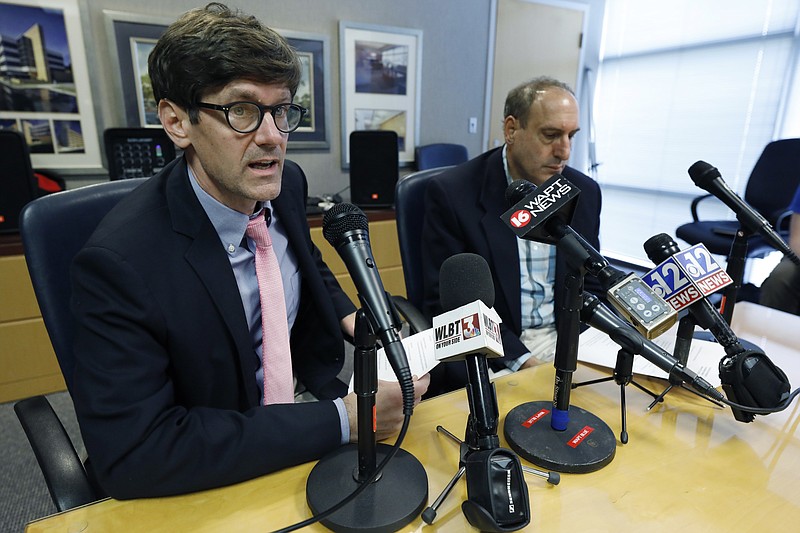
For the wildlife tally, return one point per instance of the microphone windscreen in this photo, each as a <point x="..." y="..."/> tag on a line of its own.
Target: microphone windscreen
<point x="518" y="190"/>
<point x="465" y="278"/>
<point x="659" y="247"/>
<point x="340" y="219"/>
<point x="703" y="174"/>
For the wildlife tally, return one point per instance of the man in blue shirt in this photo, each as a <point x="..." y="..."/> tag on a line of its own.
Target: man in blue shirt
<point x="462" y="214"/>
<point x="781" y="290"/>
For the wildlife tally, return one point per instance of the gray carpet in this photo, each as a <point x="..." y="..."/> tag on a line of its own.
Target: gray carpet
<point x="23" y="493"/>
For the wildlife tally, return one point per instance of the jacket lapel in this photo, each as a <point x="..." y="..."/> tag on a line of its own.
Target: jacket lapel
<point x="501" y="240"/>
<point x="205" y="255"/>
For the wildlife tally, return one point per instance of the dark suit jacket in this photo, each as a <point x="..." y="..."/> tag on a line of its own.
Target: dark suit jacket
<point x="164" y="384"/>
<point x="462" y="214"/>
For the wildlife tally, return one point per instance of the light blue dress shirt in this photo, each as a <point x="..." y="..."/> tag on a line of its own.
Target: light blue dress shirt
<point x="231" y="226"/>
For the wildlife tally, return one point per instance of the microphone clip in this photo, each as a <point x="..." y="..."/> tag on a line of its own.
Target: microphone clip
<point x="497" y="495"/>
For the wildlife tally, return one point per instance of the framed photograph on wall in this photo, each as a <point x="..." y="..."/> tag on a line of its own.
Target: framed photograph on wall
<point x="380" y="70"/>
<point x="313" y="93"/>
<point x="46" y="93"/>
<point x="132" y="37"/>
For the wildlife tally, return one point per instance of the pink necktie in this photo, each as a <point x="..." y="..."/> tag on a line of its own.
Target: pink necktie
<point x="276" y="359"/>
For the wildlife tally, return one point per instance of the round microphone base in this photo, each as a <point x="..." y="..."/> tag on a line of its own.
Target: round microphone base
<point x="587" y="444"/>
<point x="388" y="504"/>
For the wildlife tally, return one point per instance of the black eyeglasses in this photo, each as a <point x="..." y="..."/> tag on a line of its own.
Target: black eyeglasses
<point x="245" y="117"/>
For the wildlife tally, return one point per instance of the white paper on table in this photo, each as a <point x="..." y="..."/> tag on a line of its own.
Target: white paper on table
<point x="419" y="352"/>
<point x="597" y="348"/>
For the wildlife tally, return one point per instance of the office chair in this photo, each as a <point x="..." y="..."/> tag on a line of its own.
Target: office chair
<point x="17" y="181"/>
<point x="54" y="228"/>
<point x="410" y="211"/>
<point x="439" y="155"/>
<point x="770" y="188"/>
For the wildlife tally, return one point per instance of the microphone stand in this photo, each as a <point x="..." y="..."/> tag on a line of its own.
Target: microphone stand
<point x="622" y="376"/>
<point x="735" y="267"/>
<point x="683" y="342"/>
<point x="575" y="440"/>
<point x="400" y="492"/>
<point x="494" y="474"/>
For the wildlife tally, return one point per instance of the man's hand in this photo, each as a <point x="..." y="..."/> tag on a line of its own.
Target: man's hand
<point x="531" y="362"/>
<point x="388" y="407"/>
<point x="348" y="324"/>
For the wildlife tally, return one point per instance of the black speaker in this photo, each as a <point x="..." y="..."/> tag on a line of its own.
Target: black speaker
<point x="17" y="183"/>
<point x="374" y="167"/>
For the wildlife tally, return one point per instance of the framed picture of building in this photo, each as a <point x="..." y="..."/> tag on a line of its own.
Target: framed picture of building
<point x="45" y="83"/>
<point x="132" y="37"/>
<point x="380" y="70"/>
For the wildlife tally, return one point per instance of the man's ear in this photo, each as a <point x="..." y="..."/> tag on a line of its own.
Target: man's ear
<point x="175" y="122"/>
<point x="509" y="129"/>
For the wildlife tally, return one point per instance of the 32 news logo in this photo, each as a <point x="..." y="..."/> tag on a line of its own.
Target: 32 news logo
<point x="541" y="203"/>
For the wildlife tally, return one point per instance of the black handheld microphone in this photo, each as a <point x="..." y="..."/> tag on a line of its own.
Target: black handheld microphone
<point x="709" y="179"/>
<point x="497" y="494"/>
<point x="748" y="377"/>
<point x="544" y="215"/>
<point x="600" y="317"/>
<point x="346" y="228"/>
<point x="661" y="247"/>
<point x="463" y="279"/>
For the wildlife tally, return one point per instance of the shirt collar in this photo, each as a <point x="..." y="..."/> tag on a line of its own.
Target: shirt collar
<point x="229" y="223"/>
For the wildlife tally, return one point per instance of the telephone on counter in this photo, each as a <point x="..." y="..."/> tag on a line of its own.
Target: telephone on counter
<point x="316" y="205"/>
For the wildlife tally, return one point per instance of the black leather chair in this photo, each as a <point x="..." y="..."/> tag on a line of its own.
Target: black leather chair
<point x="436" y="155"/>
<point x="54" y="228"/>
<point x="770" y="188"/>
<point x="410" y="212"/>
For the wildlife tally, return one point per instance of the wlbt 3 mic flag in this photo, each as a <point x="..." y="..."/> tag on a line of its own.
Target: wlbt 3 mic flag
<point x="471" y="328"/>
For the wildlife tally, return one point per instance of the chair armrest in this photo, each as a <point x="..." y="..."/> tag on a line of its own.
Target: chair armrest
<point x="694" y="205"/>
<point x="411" y="315"/>
<point x="63" y="471"/>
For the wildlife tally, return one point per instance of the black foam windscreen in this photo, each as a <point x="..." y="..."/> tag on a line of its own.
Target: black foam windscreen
<point x="518" y="190"/>
<point x="703" y="174"/>
<point x="465" y="278"/>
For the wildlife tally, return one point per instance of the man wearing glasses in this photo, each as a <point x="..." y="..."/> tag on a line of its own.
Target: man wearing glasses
<point x="185" y="378"/>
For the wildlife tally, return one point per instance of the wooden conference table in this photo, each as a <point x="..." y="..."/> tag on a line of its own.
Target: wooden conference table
<point x="688" y="466"/>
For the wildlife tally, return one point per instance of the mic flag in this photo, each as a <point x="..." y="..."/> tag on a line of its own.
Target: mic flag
<point x="553" y="199"/>
<point x="473" y="328"/>
<point x="686" y="277"/>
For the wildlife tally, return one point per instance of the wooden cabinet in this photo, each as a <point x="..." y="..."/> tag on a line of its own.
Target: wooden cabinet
<point x="28" y="365"/>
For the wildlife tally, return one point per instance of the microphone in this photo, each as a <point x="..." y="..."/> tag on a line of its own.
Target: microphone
<point x="748" y="377"/>
<point x="600" y="317"/>
<point x="542" y="214"/>
<point x="497" y="496"/>
<point x="346" y="228"/>
<point x="709" y="179"/>
<point x="464" y="331"/>
<point x="681" y="290"/>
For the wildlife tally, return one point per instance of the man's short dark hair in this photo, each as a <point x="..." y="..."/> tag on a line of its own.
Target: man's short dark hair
<point x="207" y="48"/>
<point x="519" y="99"/>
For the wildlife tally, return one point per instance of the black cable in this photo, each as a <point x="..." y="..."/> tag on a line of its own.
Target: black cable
<point x="360" y="489"/>
<point x="759" y="410"/>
